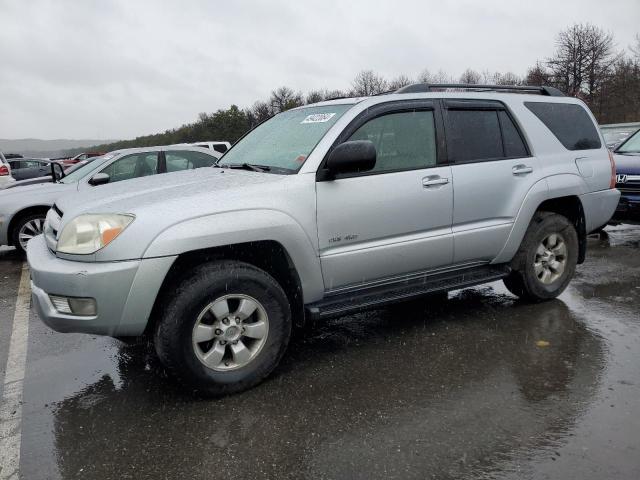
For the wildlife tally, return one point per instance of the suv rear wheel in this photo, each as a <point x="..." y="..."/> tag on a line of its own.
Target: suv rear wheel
<point x="546" y="260"/>
<point x="225" y="327"/>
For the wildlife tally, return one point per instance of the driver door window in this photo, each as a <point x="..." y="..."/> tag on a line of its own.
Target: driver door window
<point x="132" y="166"/>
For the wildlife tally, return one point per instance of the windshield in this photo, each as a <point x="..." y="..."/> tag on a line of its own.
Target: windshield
<point x="75" y="173"/>
<point x="632" y="145"/>
<point x="285" y="141"/>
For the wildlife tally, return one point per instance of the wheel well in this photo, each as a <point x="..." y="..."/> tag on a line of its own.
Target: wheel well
<point x="571" y="208"/>
<point x="268" y="255"/>
<point x="21" y="214"/>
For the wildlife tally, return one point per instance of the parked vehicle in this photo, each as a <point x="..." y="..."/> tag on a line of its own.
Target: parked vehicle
<point x="627" y="158"/>
<point x="328" y="209"/>
<point x="79" y="158"/>
<point x="23" y="210"/>
<point x="24" y="168"/>
<point x="56" y="172"/>
<point x="220" y="147"/>
<point x="5" y="173"/>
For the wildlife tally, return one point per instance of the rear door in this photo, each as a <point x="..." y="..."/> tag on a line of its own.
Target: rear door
<point x="492" y="171"/>
<point x="395" y="219"/>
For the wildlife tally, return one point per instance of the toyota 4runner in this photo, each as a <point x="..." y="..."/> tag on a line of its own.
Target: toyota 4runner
<point x="327" y="209"/>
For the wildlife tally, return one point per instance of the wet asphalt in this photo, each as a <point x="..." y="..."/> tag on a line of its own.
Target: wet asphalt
<point x="476" y="386"/>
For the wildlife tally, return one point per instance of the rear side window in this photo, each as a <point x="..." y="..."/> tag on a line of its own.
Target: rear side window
<point x="513" y="144"/>
<point x="221" y="148"/>
<point x="570" y="124"/>
<point x="187" y="160"/>
<point x="473" y="135"/>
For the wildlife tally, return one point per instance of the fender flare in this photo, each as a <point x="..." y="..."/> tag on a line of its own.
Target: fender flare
<point x="234" y="227"/>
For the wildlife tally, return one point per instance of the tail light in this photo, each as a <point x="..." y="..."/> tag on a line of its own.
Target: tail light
<point x="612" y="183"/>
<point x="4" y="170"/>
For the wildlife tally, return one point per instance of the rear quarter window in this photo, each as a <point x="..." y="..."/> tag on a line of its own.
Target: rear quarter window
<point x="569" y="122"/>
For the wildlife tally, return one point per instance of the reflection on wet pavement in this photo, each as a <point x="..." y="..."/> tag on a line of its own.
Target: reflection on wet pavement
<point x="477" y="386"/>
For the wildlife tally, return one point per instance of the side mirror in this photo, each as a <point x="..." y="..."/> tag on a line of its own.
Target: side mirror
<point x="351" y="157"/>
<point x="57" y="171"/>
<point x="99" y="179"/>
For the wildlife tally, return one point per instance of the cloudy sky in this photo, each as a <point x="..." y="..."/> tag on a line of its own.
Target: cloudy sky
<point x="119" y="68"/>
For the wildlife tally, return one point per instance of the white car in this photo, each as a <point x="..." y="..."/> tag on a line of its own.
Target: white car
<point x="220" y="147"/>
<point x="5" y="173"/>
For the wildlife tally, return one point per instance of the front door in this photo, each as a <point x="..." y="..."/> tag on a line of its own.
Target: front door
<point x="395" y="219"/>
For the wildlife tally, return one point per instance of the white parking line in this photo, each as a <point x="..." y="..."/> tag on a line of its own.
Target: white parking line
<point x="11" y="406"/>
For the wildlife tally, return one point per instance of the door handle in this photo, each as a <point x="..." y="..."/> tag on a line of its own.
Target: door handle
<point x="434" y="181"/>
<point x="521" y="170"/>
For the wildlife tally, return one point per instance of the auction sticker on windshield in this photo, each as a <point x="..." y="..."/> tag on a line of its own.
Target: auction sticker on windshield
<point x="318" y="118"/>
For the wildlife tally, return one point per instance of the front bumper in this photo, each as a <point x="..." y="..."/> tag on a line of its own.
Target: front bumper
<point x="628" y="209"/>
<point x="125" y="292"/>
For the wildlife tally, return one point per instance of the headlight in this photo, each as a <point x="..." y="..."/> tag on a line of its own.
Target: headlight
<point x="89" y="233"/>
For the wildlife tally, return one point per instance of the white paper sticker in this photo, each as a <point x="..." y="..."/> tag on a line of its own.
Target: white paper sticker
<point x="318" y="118"/>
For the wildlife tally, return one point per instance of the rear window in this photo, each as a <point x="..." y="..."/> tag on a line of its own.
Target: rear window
<point x="570" y="124"/>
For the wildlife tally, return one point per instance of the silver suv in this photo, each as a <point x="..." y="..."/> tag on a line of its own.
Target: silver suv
<point x="327" y="209"/>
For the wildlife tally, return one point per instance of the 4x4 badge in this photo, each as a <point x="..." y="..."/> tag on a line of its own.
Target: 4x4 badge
<point x="621" y="178"/>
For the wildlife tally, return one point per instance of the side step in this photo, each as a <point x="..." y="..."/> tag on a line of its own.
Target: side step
<point x="409" y="287"/>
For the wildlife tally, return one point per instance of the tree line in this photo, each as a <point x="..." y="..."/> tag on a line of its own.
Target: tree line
<point x="586" y="64"/>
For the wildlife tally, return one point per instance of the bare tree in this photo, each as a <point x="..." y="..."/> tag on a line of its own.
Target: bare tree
<point x="367" y="82"/>
<point x="425" y="77"/>
<point x="635" y="48"/>
<point x="400" y="81"/>
<point x="283" y="98"/>
<point x="538" y="75"/>
<point x="470" y="76"/>
<point x="261" y="111"/>
<point x="315" y="96"/>
<point x="584" y="57"/>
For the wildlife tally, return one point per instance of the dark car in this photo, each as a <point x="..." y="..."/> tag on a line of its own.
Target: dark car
<point x="627" y="157"/>
<point x="24" y="168"/>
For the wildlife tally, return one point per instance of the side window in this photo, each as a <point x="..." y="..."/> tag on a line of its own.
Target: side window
<point x="403" y="141"/>
<point x="569" y="122"/>
<point x="221" y="148"/>
<point x="15" y="165"/>
<point x="185" y="160"/>
<point x="132" y="166"/>
<point x="473" y="135"/>
<point x="513" y="144"/>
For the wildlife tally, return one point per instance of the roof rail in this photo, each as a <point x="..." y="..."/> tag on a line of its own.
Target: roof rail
<point x="430" y="87"/>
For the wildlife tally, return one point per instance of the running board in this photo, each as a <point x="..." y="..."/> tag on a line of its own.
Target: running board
<point x="409" y="287"/>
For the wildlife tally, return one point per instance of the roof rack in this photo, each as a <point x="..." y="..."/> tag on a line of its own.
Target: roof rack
<point x="430" y="87"/>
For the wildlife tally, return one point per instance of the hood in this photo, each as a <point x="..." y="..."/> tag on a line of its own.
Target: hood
<point x="188" y="189"/>
<point x="628" y="164"/>
<point x="34" y="191"/>
<point x="30" y="181"/>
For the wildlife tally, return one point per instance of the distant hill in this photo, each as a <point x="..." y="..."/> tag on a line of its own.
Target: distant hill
<point x="35" y="147"/>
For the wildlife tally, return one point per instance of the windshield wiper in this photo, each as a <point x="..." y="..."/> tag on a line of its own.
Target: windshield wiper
<point x="246" y="166"/>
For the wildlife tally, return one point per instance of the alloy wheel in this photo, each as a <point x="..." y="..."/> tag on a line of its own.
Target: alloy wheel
<point x="230" y="332"/>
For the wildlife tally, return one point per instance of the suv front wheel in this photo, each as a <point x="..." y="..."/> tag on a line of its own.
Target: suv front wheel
<point x="225" y="327"/>
<point x="546" y="260"/>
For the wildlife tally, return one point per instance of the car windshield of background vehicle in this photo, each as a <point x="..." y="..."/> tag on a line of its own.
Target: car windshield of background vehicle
<point x="284" y="142"/>
<point x="632" y="145"/>
<point x="75" y="175"/>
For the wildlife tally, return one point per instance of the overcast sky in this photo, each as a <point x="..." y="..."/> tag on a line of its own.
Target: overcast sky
<point x="118" y="69"/>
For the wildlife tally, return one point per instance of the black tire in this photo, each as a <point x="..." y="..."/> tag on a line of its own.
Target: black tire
<point x="523" y="280"/>
<point x="19" y="223"/>
<point x="190" y="295"/>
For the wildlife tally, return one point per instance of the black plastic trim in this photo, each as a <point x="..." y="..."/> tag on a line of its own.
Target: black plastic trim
<point x="369" y="297"/>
